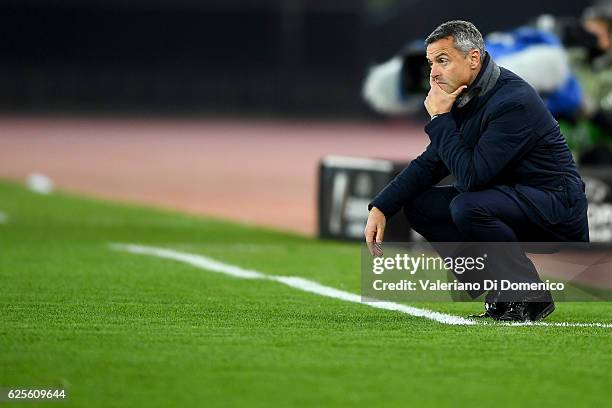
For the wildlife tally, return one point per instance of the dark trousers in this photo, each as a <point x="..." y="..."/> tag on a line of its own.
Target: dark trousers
<point x="443" y="214"/>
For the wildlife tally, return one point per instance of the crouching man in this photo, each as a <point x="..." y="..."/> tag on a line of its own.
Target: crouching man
<point x="516" y="180"/>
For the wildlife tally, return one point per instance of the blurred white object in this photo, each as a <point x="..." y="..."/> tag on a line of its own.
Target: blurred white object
<point x="546" y="22"/>
<point x="381" y="88"/>
<point x="544" y="67"/>
<point x="3" y="217"/>
<point x="39" y="183"/>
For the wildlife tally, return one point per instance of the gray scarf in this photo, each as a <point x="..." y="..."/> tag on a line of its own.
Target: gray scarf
<point x="485" y="81"/>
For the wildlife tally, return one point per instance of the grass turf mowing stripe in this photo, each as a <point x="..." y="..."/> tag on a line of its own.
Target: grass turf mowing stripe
<point x="306" y="285"/>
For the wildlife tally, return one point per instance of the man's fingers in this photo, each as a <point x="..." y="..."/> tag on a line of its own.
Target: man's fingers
<point x="371" y="248"/>
<point x="369" y="236"/>
<point x="459" y="90"/>
<point x="370" y="233"/>
<point x="380" y="233"/>
<point x="374" y="230"/>
<point x="433" y="84"/>
<point x="374" y="248"/>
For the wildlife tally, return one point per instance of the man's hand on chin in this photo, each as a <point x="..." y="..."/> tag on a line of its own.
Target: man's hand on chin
<point x="438" y="101"/>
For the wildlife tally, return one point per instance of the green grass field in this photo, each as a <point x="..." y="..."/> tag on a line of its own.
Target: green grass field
<point x="118" y="329"/>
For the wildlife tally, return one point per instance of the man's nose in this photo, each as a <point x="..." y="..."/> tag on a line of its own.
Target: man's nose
<point x="434" y="73"/>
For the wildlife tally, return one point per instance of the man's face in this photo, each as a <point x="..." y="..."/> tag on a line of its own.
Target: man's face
<point x="449" y="67"/>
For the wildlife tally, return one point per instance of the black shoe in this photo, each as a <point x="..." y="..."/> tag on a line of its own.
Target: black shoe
<point x="539" y="310"/>
<point x="516" y="312"/>
<point x="533" y="308"/>
<point x="493" y="308"/>
<point x="541" y="306"/>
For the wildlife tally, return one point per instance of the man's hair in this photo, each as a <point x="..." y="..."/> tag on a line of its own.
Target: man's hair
<point x="466" y="36"/>
<point x="600" y="10"/>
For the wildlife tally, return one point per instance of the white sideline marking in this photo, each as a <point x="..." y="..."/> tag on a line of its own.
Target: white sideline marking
<point x="204" y="262"/>
<point x="555" y="324"/>
<point x="305" y="285"/>
<point x="3" y="217"/>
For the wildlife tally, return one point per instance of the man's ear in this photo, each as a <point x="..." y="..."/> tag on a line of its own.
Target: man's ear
<point x="474" y="56"/>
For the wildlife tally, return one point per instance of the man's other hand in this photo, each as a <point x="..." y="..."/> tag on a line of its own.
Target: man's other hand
<point x="375" y="231"/>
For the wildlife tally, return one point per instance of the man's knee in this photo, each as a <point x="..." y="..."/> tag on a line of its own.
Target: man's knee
<point x="464" y="209"/>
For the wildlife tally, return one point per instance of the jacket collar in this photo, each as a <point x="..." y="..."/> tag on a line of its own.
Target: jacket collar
<point x="484" y="82"/>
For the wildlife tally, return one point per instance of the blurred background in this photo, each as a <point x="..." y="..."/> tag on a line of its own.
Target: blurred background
<point x="235" y="57"/>
<point x="261" y="111"/>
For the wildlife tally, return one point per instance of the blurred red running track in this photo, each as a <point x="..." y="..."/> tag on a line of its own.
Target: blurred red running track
<point x="258" y="172"/>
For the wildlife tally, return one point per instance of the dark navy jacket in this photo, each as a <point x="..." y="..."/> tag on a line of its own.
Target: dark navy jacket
<point x="504" y="139"/>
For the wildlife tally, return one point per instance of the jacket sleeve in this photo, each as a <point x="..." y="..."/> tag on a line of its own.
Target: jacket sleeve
<point x="505" y="139"/>
<point x="422" y="173"/>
